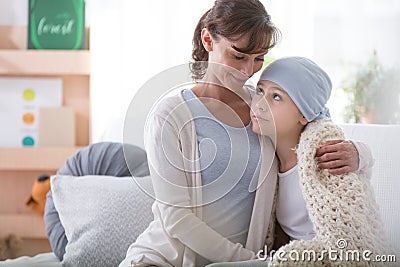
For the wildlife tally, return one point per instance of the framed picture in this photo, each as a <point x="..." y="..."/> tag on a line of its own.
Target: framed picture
<point x="56" y="24"/>
<point x="20" y="103"/>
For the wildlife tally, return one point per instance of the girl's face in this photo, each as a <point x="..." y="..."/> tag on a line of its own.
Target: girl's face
<point x="235" y="66"/>
<point x="274" y="112"/>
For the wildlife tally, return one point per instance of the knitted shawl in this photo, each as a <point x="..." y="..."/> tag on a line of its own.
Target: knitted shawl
<point x="342" y="208"/>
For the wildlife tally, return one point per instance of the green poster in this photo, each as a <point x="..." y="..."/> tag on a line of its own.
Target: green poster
<point x="56" y="24"/>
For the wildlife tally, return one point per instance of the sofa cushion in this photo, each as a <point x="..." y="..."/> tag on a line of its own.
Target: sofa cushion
<point x="104" y="158"/>
<point x="101" y="215"/>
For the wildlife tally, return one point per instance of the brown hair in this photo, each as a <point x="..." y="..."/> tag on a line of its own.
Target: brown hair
<point x="234" y="19"/>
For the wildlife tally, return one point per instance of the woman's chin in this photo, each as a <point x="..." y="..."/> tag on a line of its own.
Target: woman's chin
<point x="233" y="85"/>
<point x="256" y="128"/>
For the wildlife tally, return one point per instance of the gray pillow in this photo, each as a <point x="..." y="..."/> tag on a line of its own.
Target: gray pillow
<point x="104" y="158"/>
<point x="101" y="215"/>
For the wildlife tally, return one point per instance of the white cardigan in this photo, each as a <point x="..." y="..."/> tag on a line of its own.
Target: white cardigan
<point x="177" y="232"/>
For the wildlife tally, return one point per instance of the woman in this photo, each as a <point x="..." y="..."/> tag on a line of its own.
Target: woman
<point x="204" y="160"/>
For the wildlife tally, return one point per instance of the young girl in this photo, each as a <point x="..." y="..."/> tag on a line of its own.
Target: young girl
<point x="291" y="92"/>
<point x="332" y="212"/>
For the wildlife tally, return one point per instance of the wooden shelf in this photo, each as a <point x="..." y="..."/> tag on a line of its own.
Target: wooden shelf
<point x="20" y="167"/>
<point x="34" y="158"/>
<point x="44" y="62"/>
<point x="16" y="37"/>
<point x="26" y="225"/>
<point x="16" y="59"/>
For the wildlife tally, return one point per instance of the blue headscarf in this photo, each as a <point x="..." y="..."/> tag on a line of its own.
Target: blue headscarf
<point x="305" y="82"/>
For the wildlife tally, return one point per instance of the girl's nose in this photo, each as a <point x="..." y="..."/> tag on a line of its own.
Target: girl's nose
<point x="259" y="102"/>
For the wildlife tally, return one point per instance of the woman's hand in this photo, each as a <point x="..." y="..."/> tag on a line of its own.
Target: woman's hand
<point x="338" y="156"/>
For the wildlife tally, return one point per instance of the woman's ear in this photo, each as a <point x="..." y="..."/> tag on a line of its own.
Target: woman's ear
<point x="207" y="39"/>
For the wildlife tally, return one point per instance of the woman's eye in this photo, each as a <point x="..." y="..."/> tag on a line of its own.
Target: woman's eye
<point x="261" y="59"/>
<point x="276" y="97"/>
<point x="259" y="91"/>
<point x="238" y="57"/>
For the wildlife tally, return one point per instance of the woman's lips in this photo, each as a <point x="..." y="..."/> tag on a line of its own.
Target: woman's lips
<point x="240" y="80"/>
<point x="258" y="118"/>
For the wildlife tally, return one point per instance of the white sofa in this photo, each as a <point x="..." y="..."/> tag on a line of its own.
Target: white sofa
<point x="385" y="145"/>
<point x="384" y="141"/>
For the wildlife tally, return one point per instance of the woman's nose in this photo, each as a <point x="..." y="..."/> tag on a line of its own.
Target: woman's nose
<point x="248" y="68"/>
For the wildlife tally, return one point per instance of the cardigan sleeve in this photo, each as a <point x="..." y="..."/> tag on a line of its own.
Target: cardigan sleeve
<point x="172" y="191"/>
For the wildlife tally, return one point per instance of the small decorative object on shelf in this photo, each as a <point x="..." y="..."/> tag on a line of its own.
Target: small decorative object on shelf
<point x="20" y="100"/>
<point x="10" y="245"/>
<point x="37" y="199"/>
<point x="56" y="24"/>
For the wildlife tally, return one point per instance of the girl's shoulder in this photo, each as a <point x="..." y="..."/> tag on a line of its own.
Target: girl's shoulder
<point x="319" y="132"/>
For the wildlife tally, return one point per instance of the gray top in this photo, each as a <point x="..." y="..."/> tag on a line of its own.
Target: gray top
<point x="229" y="159"/>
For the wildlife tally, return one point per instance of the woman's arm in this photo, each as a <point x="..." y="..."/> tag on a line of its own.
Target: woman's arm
<point x="171" y="186"/>
<point x="342" y="156"/>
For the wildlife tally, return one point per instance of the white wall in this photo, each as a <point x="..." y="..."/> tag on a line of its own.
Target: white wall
<point x="131" y="41"/>
<point x="13" y="12"/>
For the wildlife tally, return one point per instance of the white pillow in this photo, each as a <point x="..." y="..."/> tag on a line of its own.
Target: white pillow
<point x="101" y="215"/>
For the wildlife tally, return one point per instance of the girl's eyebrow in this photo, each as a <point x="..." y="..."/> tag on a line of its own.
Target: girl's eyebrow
<point x="263" y="87"/>
<point x="270" y="87"/>
<point x="278" y="89"/>
<point x="260" y="85"/>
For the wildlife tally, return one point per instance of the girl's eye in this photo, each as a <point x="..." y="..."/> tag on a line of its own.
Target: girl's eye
<point x="276" y="97"/>
<point x="259" y="91"/>
<point x="261" y="59"/>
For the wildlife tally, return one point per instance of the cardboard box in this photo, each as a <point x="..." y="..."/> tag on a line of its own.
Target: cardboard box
<point x="57" y="126"/>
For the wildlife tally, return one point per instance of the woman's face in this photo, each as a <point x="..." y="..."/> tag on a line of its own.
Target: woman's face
<point x="225" y="53"/>
<point x="272" y="110"/>
<point x="236" y="66"/>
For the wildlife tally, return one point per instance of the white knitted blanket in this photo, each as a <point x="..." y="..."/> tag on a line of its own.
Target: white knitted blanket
<point x="343" y="209"/>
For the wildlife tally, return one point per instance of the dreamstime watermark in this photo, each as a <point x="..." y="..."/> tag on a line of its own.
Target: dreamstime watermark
<point x="338" y="254"/>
